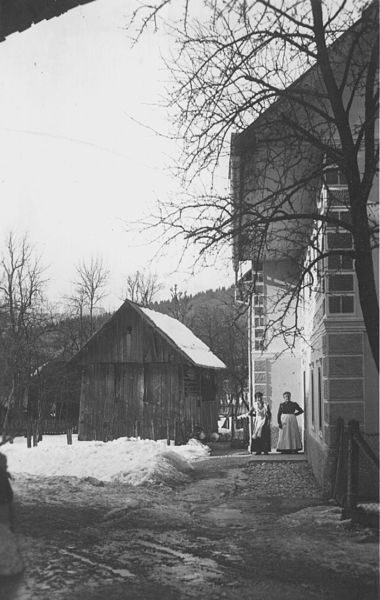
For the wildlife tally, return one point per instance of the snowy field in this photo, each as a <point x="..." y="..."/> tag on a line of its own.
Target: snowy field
<point x="125" y="460"/>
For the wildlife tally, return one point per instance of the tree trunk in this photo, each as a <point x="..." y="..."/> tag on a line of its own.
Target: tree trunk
<point x="369" y="302"/>
<point x="365" y="274"/>
<point x="358" y="196"/>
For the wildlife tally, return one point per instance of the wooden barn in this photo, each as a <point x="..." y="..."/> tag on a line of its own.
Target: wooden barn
<point x="146" y="374"/>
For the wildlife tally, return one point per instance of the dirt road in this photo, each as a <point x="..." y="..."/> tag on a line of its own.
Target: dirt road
<point x="240" y="529"/>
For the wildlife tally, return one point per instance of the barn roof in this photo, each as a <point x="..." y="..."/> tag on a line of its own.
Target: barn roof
<point x="175" y="333"/>
<point x="19" y="15"/>
<point x="190" y="345"/>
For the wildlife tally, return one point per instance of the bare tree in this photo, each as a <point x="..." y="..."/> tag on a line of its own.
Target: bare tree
<point x="180" y="305"/>
<point x="142" y="288"/>
<point x="307" y="75"/>
<point x="24" y="319"/>
<point x="222" y="325"/>
<point x="89" y="289"/>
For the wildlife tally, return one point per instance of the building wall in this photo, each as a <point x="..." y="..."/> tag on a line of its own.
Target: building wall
<point x="340" y="377"/>
<point x="340" y="382"/>
<point x="150" y="401"/>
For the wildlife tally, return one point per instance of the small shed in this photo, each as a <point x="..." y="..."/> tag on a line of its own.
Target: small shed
<point x="146" y="374"/>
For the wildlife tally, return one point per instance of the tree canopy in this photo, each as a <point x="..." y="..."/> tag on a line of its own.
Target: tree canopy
<point x="305" y="75"/>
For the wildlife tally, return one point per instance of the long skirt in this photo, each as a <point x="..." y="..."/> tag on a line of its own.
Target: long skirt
<point x="262" y="443"/>
<point x="289" y="436"/>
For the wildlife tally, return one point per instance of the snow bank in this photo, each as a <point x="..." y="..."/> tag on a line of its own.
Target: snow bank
<point x="314" y="515"/>
<point x="126" y="460"/>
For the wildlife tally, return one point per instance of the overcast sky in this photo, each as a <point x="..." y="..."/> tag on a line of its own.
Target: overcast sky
<point x="74" y="167"/>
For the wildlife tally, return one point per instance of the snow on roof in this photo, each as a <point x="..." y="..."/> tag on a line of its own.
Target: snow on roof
<point x="193" y="347"/>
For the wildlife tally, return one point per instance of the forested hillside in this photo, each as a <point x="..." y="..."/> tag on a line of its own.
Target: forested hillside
<point x="215" y="317"/>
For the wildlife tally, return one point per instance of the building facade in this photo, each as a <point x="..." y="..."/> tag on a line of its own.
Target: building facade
<point x="294" y="259"/>
<point x="339" y="376"/>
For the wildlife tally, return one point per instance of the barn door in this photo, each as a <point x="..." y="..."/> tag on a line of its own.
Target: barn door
<point x="161" y="400"/>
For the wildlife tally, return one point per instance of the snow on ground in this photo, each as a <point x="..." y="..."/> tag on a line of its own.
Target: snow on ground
<point x="126" y="460"/>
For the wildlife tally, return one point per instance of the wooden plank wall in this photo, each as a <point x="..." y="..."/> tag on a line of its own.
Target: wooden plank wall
<point x="210" y="405"/>
<point x="120" y="340"/>
<point x="111" y="401"/>
<point x="210" y="413"/>
<point x="162" y="400"/>
<point x="140" y="400"/>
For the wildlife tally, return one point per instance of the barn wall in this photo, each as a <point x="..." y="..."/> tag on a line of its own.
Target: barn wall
<point x="163" y="400"/>
<point x="142" y="400"/>
<point x="111" y="401"/>
<point x="210" y="405"/>
<point x="132" y="400"/>
<point x="120" y="340"/>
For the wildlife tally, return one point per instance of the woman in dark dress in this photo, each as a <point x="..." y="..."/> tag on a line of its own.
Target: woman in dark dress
<point x="260" y="441"/>
<point x="289" y="440"/>
<point x="6" y="494"/>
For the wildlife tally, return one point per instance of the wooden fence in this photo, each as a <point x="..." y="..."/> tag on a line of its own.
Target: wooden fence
<point x="352" y="452"/>
<point x="34" y="429"/>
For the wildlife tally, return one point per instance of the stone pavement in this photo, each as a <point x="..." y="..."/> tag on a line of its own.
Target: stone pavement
<point x="225" y="449"/>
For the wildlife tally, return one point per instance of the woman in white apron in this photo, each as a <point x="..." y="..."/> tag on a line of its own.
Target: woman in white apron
<point x="289" y="440"/>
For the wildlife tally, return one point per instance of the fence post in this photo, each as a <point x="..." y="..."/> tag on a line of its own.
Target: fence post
<point x="232" y="419"/>
<point x="176" y="433"/>
<point x="167" y="432"/>
<point x="29" y="434"/>
<point x="339" y="460"/>
<point x="35" y="434"/>
<point x="352" y="466"/>
<point x="69" y="434"/>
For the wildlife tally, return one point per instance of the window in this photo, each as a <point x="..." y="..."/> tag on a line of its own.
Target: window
<point x="259" y="340"/>
<point x="129" y="340"/>
<point x="320" y="399"/>
<point x="312" y="396"/>
<point x="304" y="387"/>
<point x="341" y="304"/>
<point x="341" y="299"/>
<point x="259" y="321"/>
<point x="342" y="214"/>
<point x="341" y="283"/>
<point x="259" y="345"/>
<point x="341" y="241"/>
<point x="340" y="262"/>
<point x="334" y="176"/>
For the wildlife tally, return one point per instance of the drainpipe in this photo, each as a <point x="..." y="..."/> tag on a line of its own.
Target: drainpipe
<point x="251" y="364"/>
